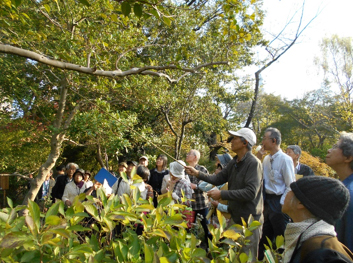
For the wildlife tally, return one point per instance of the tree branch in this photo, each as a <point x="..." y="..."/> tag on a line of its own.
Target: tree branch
<point x="93" y="71"/>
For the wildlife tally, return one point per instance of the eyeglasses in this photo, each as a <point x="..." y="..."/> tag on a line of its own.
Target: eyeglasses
<point x="189" y="154"/>
<point x="335" y="146"/>
<point x="266" y="138"/>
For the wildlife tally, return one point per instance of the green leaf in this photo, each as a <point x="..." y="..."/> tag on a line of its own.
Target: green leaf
<point x="35" y="213"/>
<point x="13" y="240"/>
<point x="47" y="8"/>
<point x="92" y="210"/>
<point x="9" y="202"/>
<point x="61" y="232"/>
<point x="17" y="3"/>
<point x="138" y="10"/>
<point x="231" y="234"/>
<point x="85" y="2"/>
<point x="4" y="216"/>
<point x="148" y="254"/>
<point x="243" y="257"/>
<point x="125" y="8"/>
<point x="155" y="13"/>
<point x="53" y="220"/>
<point x="29" y="255"/>
<point x="199" y="252"/>
<point x="167" y="21"/>
<point x="279" y="241"/>
<point x="53" y="210"/>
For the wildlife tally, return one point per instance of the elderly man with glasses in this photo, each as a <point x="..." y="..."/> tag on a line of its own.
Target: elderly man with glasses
<point x="278" y="175"/>
<point x="340" y="159"/>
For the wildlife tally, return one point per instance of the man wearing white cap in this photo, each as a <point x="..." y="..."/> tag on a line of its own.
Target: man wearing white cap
<point x="244" y="177"/>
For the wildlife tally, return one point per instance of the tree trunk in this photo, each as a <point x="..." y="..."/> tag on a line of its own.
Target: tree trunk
<point x="99" y="155"/>
<point x="55" y="145"/>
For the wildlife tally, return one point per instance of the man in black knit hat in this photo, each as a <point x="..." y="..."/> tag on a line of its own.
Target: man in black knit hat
<point x="315" y="204"/>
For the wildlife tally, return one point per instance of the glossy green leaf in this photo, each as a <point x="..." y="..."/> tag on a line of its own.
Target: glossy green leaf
<point x="138" y="10"/>
<point x="125" y="8"/>
<point x="18" y="3"/>
<point x="85" y="2"/>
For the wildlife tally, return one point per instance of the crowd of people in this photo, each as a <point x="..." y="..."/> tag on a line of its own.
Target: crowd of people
<point x="314" y="213"/>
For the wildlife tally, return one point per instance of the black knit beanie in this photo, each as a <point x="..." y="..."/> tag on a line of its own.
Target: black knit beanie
<point x="326" y="198"/>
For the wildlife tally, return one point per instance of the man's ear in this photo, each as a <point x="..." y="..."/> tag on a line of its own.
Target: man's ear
<point x="300" y="206"/>
<point x="349" y="159"/>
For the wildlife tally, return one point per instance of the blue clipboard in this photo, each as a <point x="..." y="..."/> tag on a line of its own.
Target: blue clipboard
<point x="104" y="174"/>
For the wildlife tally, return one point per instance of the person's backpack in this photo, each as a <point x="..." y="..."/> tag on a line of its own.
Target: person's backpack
<point x="324" y="249"/>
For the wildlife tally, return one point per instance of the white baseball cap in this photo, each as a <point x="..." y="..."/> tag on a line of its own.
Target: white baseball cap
<point x="246" y="133"/>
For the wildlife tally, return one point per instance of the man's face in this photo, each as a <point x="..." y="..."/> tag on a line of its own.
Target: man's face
<point x="292" y="154"/>
<point x="190" y="157"/>
<point x="335" y="156"/>
<point x="71" y="171"/>
<point x="267" y="141"/>
<point x="236" y="144"/>
<point x="129" y="168"/>
<point x="287" y="207"/>
<point x="143" y="162"/>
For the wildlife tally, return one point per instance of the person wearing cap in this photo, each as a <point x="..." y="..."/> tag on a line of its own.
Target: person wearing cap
<point x="315" y="203"/>
<point x="87" y="180"/>
<point x="294" y="152"/>
<point x="74" y="188"/>
<point x="200" y="205"/>
<point x="178" y="183"/>
<point x="143" y="161"/>
<point x="244" y="177"/>
<point x="278" y="172"/>
<point x="122" y="167"/>
<point x="62" y="181"/>
<point x="340" y="159"/>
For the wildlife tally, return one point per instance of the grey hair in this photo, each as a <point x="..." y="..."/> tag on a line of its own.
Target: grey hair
<point x="71" y="164"/>
<point x="296" y="149"/>
<point x="346" y="145"/>
<point x="248" y="146"/>
<point x="275" y="134"/>
<point x="197" y="154"/>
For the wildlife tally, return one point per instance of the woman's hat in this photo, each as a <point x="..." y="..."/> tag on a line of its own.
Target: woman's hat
<point x="177" y="169"/>
<point x="81" y="171"/>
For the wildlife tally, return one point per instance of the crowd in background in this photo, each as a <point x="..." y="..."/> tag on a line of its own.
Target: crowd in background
<point x="281" y="193"/>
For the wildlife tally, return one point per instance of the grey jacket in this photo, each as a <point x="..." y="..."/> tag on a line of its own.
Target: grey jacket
<point x="244" y="194"/>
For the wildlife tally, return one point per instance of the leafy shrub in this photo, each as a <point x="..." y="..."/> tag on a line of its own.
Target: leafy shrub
<point x="318" y="166"/>
<point x="85" y="233"/>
